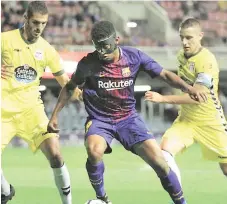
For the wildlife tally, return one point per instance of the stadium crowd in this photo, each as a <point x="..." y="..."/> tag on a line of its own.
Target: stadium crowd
<point x="212" y="15"/>
<point x="70" y="22"/>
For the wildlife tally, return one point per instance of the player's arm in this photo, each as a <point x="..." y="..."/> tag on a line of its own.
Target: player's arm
<point x="64" y="97"/>
<point x="66" y="93"/>
<point x="170" y="99"/>
<point x="6" y="70"/>
<point x="175" y="81"/>
<point x="154" y="69"/>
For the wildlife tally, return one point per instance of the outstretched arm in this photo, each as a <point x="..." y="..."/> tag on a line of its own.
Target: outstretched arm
<point x="176" y="82"/>
<point x="64" y="97"/>
<point x="171" y="99"/>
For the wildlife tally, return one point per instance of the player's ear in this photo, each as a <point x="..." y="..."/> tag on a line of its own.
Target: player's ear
<point x="201" y="35"/>
<point x="25" y="17"/>
<point x="117" y="40"/>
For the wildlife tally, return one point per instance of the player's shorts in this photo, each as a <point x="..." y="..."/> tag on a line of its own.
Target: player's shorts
<point x="212" y="139"/>
<point x="30" y="125"/>
<point x="128" y="132"/>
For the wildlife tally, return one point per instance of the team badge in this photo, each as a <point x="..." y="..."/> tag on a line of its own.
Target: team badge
<point x="39" y="55"/>
<point x="126" y="72"/>
<point x="25" y="74"/>
<point x="192" y="66"/>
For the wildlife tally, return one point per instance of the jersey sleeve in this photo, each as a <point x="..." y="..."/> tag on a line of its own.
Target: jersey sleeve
<point x="54" y="62"/>
<point x="2" y="43"/>
<point x="206" y="69"/>
<point x="149" y="65"/>
<point x="79" y="76"/>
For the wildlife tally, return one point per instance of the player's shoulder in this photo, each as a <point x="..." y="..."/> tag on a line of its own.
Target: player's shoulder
<point x="10" y="34"/>
<point x="90" y="58"/>
<point x="134" y="55"/>
<point x="130" y="50"/>
<point x="44" y="43"/>
<point x="207" y="54"/>
<point x="180" y="56"/>
<point x="180" y="53"/>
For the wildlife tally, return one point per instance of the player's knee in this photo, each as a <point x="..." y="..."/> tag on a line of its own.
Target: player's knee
<point x="95" y="152"/>
<point x="56" y="160"/>
<point x="160" y="165"/>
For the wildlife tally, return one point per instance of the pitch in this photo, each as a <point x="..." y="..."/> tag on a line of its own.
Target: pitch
<point x="127" y="179"/>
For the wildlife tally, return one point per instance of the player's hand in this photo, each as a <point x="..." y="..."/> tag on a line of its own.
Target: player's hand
<point x="199" y="93"/>
<point x="6" y="71"/>
<point x="52" y="126"/>
<point x="77" y="95"/>
<point x="153" y="97"/>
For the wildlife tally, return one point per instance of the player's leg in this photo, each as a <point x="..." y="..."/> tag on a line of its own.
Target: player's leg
<point x="7" y="190"/>
<point x="51" y="149"/>
<point x="176" y="139"/>
<point x="223" y="167"/>
<point x="135" y="136"/>
<point x="213" y="142"/>
<point x="151" y="153"/>
<point x="97" y="140"/>
<point x="33" y="129"/>
<point x="8" y="131"/>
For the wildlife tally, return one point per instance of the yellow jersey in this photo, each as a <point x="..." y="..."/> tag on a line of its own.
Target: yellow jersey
<point x="29" y="61"/>
<point x="211" y="112"/>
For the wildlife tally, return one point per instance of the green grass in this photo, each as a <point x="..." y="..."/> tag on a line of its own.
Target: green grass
<point x="127" y="179"/>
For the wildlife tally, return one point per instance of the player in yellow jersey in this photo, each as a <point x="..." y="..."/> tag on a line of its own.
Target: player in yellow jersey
<point x="25" y="55"/>
<point x="197" y="122"/>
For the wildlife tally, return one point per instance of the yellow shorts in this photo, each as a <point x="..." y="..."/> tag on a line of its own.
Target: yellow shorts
<point x="30" y="125"/>
<point x="212" y="139"/>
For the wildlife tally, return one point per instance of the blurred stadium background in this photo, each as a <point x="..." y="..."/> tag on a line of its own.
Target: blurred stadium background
<point x="152" y="27"/>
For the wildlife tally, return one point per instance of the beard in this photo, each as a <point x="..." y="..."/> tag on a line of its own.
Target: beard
<point x="28" y="30"/>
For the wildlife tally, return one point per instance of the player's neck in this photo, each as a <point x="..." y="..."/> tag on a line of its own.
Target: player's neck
<point x="25" y="36"/>
<point x="197" y="51"/>
<point x="117" y="55"/>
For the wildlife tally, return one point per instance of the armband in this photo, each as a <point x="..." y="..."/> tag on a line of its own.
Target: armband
<point x="204" y="79"/>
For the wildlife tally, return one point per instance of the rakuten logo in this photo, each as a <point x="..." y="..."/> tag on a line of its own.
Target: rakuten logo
<point x="110" y="85"/>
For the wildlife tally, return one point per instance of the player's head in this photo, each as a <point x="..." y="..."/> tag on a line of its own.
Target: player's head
<point x="191" y="35"/>
<point x="36" y="17"/>
<point x="104" y="38"/>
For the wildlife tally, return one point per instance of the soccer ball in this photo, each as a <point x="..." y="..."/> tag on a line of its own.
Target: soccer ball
<point x="96" y="201"/>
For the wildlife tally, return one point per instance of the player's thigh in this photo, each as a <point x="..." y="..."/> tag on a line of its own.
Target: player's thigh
<point x="33" y="127"/>
<point x="132" y="131"/>
<point x="98" y="136"/>
<point x="8" y="131"/>
<point x="178" y="137"/>
<point x="213" y="142"/>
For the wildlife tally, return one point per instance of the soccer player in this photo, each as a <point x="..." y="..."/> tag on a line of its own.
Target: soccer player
<point x="25" y="54"/>
<point x="108" y="77"/>
<point x="203" y="123"/>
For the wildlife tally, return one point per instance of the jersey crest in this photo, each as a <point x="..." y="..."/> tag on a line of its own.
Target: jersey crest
<point x="126" y="72"/>
<point x="25" y="74"/>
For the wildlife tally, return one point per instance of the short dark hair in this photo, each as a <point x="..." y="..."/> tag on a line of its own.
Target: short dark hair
<point x="102" y="30"/>
<point x="190" y="22"/>
<point x="36" y="7"/>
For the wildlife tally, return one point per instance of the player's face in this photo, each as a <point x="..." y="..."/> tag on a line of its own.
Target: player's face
<point x="35" y="26"/>
<point x="107" y="49"/>
<point x="191" y="40"/>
